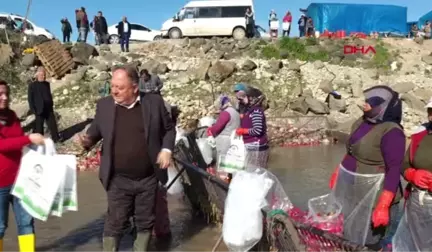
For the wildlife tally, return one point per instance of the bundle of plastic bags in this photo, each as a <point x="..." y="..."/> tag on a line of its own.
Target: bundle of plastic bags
<point x="46" y="183"/>
<point x="243" y="219"/>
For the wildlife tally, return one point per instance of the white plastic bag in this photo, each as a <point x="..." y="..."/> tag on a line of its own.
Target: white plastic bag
<point x="206" y="121"/>
<point x="177" y="187"/>
<point x="206" y="150"/>
<point x="234" y="159"/>
<point x="51" y="188"/>
<point x="274" y="25"/>
<point x="38" y="181"/>
<point x="243" y="220"/>
<point x="286" y="26"/>
<point x="70" y="194"/>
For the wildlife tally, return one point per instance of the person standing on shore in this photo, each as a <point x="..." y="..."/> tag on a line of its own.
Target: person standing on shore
<point x="124" y="31"/>
<point x="42" y="105"/>
<point x="138" y="138"/>
<point x="103" y="32"/>
<point x="66" y="30"/>
<point x="12" y="140"/>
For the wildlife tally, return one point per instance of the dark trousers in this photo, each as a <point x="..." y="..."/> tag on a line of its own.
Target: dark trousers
<point x="286" y="33"/>
<point x="128" y="198"/>
<point x="250" y="30"/>
<point x="302" y="31"/>
<point x="66" y="37"/>
<point x="49" y="118"/>
<point x="124" y="43"/>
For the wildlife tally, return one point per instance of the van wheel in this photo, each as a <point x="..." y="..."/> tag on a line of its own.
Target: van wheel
<point x="114" y="39"/>
<point x="175" y="33"/>
<point x="157" y="38"/>
<point x="239" y="33"/>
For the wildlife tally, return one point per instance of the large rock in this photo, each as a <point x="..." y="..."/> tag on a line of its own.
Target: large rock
<point x="337" y="104"/>
<point x="316" y="106"/>
<point x="403" y="87"/>
<point x="423" y="94"/>
<point x="81" y="52"/>
<point x="200" y="73"/>
<point x="6" y="54"/>
<point x="28" y="60"/>
<point x="300" y="105"/>
<point x="413" y="102"/>
<point x="249" y="65"/>
<point x="221" y="70"/>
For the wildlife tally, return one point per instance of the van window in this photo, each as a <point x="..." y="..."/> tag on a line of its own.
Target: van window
<point x="209" y="12"/>
<point x="190" y="13"/>
<point x="234" y="11"/>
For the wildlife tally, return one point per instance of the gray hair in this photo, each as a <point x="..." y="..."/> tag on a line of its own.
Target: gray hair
<point x="131" y="72"/>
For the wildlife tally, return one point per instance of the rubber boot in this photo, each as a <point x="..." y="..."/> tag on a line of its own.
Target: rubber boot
<point x="110" y="244"/>
<point x="1" y="245"/>
<point x="142" y="241"/>
<point x="27" y="243"/>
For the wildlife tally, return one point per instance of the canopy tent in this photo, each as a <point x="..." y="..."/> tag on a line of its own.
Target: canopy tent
<point x="365" y="18"/>
<point x="424" y="18"/>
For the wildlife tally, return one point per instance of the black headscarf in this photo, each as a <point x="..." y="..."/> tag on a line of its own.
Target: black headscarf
<point x="385" y="103"/>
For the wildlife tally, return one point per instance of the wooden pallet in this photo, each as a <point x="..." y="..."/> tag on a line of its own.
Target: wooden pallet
<point x="54" y="57"/>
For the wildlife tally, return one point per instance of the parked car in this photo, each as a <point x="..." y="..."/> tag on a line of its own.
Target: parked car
<point x="31" y="28"/>
<point x="209" y="18"/>
<point x="139" y="32"/>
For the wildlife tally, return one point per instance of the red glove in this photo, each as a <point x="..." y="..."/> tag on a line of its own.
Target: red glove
<point x="209" y="133"/>
<point x="381" y="213"/>
<point x="242" y="131"/>
<point x="334" y="177"/>
<point x="420" y="177"/>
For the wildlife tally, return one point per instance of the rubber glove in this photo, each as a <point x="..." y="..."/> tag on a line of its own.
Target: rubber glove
<point x="242" y="131"/>
<point x="209" y="133"/>
<point x="381" y="213"/>
<point x="333" y="178"/>
<point x="420" y="178"/>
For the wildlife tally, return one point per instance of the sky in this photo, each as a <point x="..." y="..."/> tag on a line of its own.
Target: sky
<point x="47" y="13"/>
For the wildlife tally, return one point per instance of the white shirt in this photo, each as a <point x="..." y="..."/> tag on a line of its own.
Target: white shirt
<point x="125" y="27"/>
<point x="138" y="99"/>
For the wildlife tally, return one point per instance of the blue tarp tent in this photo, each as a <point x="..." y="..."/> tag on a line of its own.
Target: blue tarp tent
<point x="424" y="18"/>
<point x="358" y="17"/>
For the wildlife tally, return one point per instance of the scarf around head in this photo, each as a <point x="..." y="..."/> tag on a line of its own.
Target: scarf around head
<point x="385" y="103"/>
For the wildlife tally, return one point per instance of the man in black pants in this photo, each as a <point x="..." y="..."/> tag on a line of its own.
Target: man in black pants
<point x="41" y="104"/>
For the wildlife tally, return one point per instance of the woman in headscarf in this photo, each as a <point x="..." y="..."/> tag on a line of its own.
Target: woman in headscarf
<point x="371" y="168"/>
<point x="253" y="128"/>
<point x="240" y="93"/>
<point x="413" y="233"/>
<point x="227" y="122"/>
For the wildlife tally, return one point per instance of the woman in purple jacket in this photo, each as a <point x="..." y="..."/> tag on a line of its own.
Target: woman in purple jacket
<point x="375" y="149"/>
<point x="253" y="128"/>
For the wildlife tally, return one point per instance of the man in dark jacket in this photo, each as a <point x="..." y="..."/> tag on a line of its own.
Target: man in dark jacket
<point x="103" y="29"/>
<point x="124" y="31"/>
<point x="66" y="30"/>
<point x="41" y="104"/>
<point x="138" y="137"/>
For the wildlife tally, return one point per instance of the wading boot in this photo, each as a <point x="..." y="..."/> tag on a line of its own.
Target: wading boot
<point x="110" y="244"/>
<point x="142" y="241"/>
<point x="26" y="243"/>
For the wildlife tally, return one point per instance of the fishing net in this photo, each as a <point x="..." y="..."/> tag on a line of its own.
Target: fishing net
<point x="415" y="228"/>
<point x="357" y="194"/>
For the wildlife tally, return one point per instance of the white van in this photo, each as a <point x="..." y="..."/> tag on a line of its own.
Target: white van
<point x="209" y="18"/>
<point x="31" y="28"/>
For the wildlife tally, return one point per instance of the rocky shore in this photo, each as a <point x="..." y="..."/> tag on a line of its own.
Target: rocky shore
<point x="295" y="74"/>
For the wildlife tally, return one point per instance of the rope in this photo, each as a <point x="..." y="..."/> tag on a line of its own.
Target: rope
<point x="25" y="22"/>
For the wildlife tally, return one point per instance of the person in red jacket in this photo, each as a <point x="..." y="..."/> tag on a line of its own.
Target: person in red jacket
<point x="12" y="140"/>
<point x="286" y="24"/>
